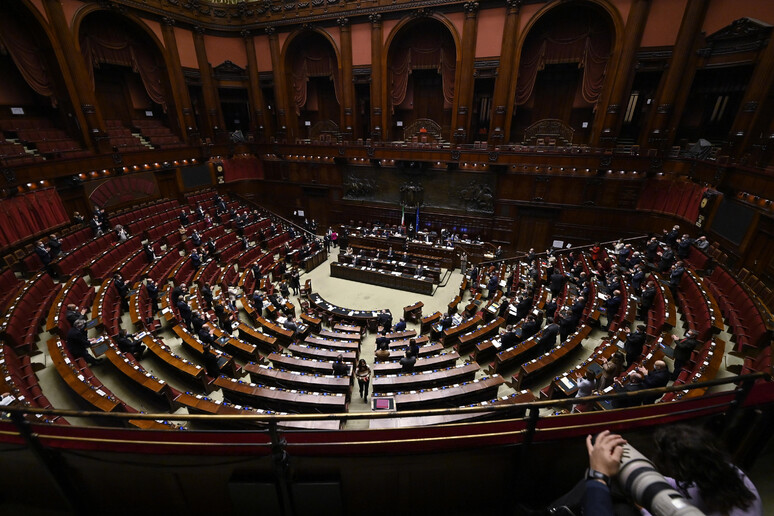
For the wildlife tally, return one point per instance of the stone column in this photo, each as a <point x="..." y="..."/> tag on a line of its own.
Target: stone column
<point x="187" y="120"/>
<point x="259" y="122"/>
<point x="377" y="81"/>
<point x="213" y="124"/>
<point x="659" y="131"/>
<point x="463" y="97"/>
<point x="635" y="26"/>
<point x="280" y="88"/>
<point x="507" y="75"/>
<point x="90" y="117"/>
<point x="749" y="123"/>
<point x="347" y="81"/>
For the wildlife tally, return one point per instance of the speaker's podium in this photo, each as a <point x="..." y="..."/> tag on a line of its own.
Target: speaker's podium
<point x="382" y="404"/>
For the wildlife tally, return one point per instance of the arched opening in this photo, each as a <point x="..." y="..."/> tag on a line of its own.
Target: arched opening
<point x="38" y="120"/>
<point x="562" y="72"/>
<point x="421" y="63"/>
<point x="313" y="83"/>
<point x="130" y="82"/>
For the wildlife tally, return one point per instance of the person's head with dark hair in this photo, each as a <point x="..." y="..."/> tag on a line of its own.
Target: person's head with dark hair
<point x="692" y="456"/>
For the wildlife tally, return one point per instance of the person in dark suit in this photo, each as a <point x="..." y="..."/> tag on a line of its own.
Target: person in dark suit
<point x="196" y="238"/>
<point x="199" y="211"/>
<point x="185" y="312"/>
<point x="153" y="295"/>
<point x="612" y="305"/>
<point x="530" y="327"/>
<point x="670" y="237"/>
<point x="197" y="322"/>
<point x="400" y="325"/>
<point x="43" y="253"/>
<point x="638" y="277"/>
<point x="385" y="319"/>
<point x="74" y="313"/>
<point x="683" y="350"/>
<point x="54" y="245"/>
<point x="659" y="377"/>
<point x="96" y="226"/>
<point x="212" y="249"/>
<point x="566" y="324"/>
<point x="547" y="336"/>
<point x="206" y="336"/>
<point x="407" y="363"/>
<point x="675" y="277"/>
<point x="284" y="289"/>
<point x="667" y="260"/>
<point x="557" y="280"/>
<point x="382" y="342"/>
<point x="127" y="344"/>
<point x="651" y="250"/>
<point x="123" y="290"/>
<point x="78" y="343"/>
<point x="177" y="292"/>
<point x="522" y="308"/>
<point x="206" y="292"/>
<point x="647" y="298"/>
<point x="149" y="253"/>
<point x="577" y="309"/>
<point x="634" y="344"/>
<point x="196" y="260"/>
<point x="635" y="384"/>
<point x="446" y="321"/>
<point x="183" y="218"/>
<point x="295" y="281"/>
<point x="550" y="308"/>
<point x="340" y="368"/>
<point x="508" y="339"/>
<point x="210" y="360"/>
<point x="413" y="349"/>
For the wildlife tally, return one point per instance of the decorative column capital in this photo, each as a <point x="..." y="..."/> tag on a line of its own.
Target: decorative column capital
<point x="246" y="34"/>
<point x="375" y="19"/>
<point x="270" y="31"/>
<point x="198" y="29"/>
<point x="514" y="5"/>
<point x="342" y="22"/>
<point x="471" y="8"/>
<point x="168" y="21"/>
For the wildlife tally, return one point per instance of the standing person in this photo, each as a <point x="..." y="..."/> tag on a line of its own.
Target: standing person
<point x="634" y="344"/>
<point x="683" y="349"/>
<point x="585" y="388"/>
<point x="78" y="343"/>
<point x="295" y="281"/>
<point x="610" y="370"/>
<point x="334" y="239"/>
<point x="153" y="295"/>
<point x="363" y="374"/>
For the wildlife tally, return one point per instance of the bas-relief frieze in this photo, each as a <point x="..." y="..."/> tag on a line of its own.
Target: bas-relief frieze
<point x="425" y="187"/>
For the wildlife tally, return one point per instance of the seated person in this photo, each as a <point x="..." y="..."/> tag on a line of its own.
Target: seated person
<point x="127" y="344"/>
<point x="340" y="368"/>
<point x="400" y="325"/>
<point x="407" y="363"/>
<point x="78" y="343"/>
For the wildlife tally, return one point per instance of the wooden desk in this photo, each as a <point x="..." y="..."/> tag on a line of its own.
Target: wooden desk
<point x="422" y="364"/>
<point x="413" y="313"/>
<point x="314" y="323"/>
<point x="268" y="375"/>
<point x="302" y="350"/>
<point x="188" y="370"/>
<point x="340" y="335"/>
<point x="227" y="365"/>
<point x="100" y="399"/>
<point x="424" y="379"/>
<point x="424" y="351"/>
<point x="339" y="313"/>
<point x="274" y="398"/>
<point x="468" y="340"/>
<point x="443" y="397"/>
<point x="258" y="338"/>
<point x="429" y="321"/>
<point x="529" y="370"/>
<point x="297" y="363"/>
<point x="396" y="280"/>
<point x="451" y="335"/>
<point x="343" y="345"/>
